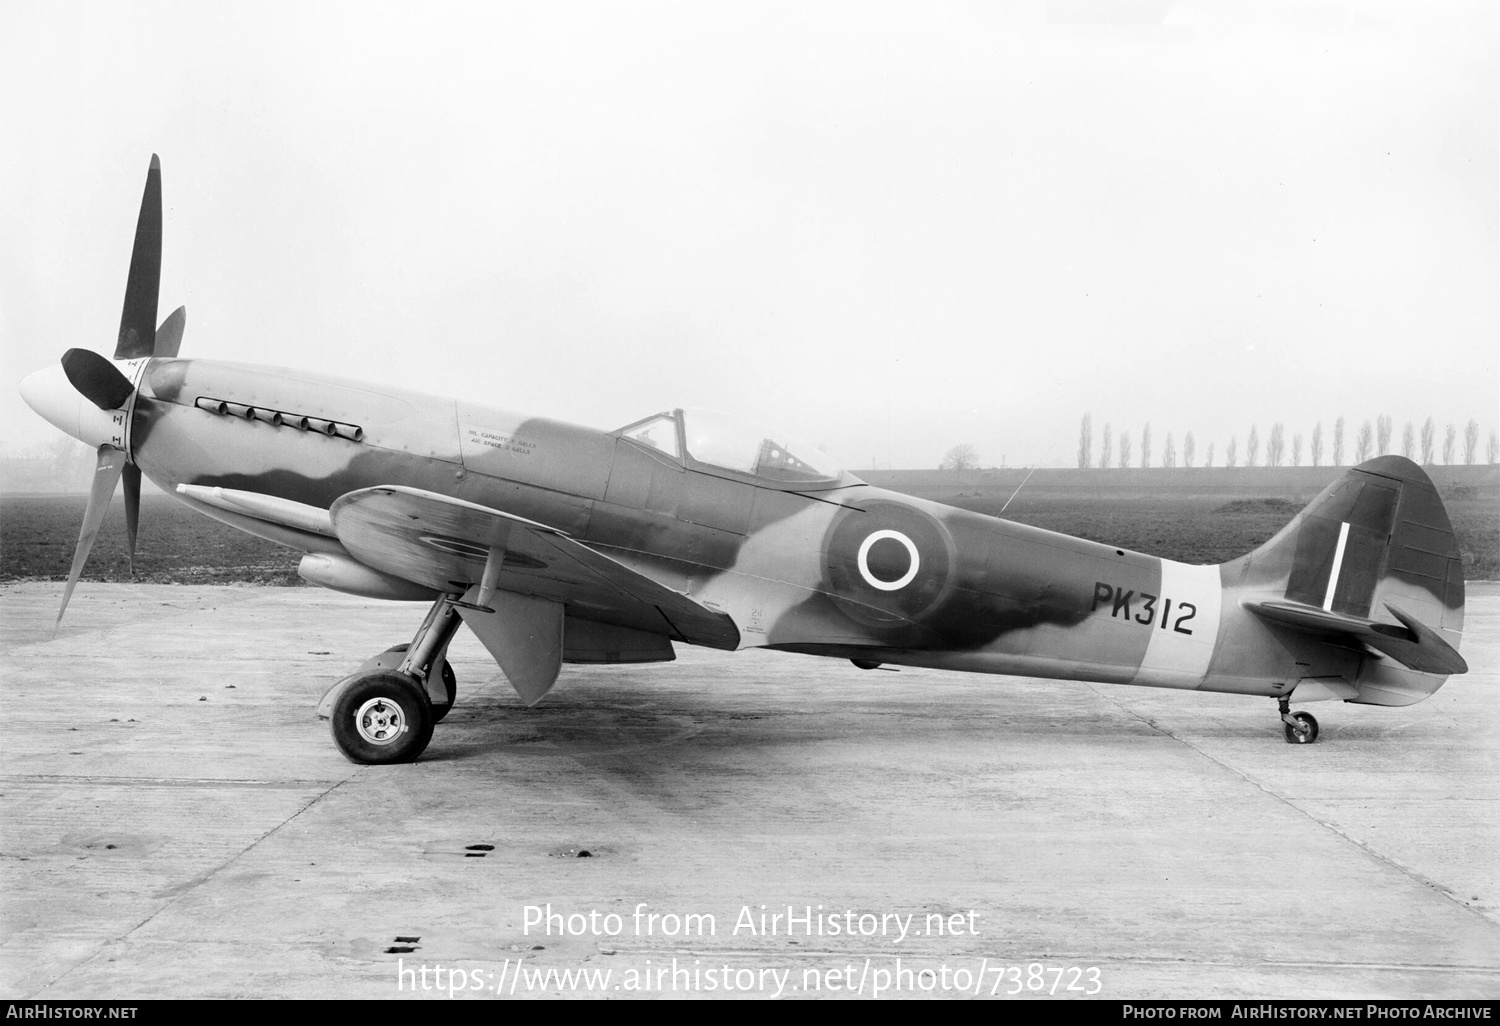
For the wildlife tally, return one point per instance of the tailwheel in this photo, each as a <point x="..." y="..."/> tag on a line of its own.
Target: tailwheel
<point x="1300" y="728"/>
<point x="382" y="717"/>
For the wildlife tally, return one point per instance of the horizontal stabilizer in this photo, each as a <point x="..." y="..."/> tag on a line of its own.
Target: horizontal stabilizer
<point x="1411" y="643"/>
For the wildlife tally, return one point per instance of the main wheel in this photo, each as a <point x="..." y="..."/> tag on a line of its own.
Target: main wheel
<point x="1305" y="734"/>
<point x="382" y="717"/>
<point x="395" y="655"/>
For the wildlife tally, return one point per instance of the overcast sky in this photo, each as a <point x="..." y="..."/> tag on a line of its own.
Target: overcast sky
<point x="887" y="227"/>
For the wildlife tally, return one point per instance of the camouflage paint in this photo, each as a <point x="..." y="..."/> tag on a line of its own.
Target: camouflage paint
<point x="836" y="568"/>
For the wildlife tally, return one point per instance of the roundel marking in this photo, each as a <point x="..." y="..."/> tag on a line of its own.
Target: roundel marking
<point x="888" y="565"/>
<point x="863" y="561"/>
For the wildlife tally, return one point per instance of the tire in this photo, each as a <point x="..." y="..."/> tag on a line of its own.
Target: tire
<point x="1308" y="732"/>
<point x="383" y="717"/>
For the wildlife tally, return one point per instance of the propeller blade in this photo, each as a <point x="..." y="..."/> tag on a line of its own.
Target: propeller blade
<point x="138" y="318"/>
<point x="169" y="335"/>
<point x="97" y="380"/>
<point x="106" y="474"/>
<point x="132" y="475"/>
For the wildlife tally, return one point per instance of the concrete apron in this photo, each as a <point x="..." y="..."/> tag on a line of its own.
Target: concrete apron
<point x="175" y="822"/>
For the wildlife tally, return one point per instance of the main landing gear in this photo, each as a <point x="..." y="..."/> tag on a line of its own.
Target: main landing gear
<point x="385" y="711"/>
<point x="1300" y="728"/>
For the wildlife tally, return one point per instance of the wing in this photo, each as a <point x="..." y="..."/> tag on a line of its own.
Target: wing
<point x="446" y="544"/>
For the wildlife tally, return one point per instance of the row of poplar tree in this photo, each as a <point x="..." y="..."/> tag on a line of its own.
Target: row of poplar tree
<point x="1371" y="439"/>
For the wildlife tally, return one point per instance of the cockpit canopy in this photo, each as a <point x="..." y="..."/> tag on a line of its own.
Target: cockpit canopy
<point x="727" y="442"/>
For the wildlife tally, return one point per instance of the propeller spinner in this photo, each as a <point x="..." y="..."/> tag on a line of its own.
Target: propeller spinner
<point x="89" y="397"/>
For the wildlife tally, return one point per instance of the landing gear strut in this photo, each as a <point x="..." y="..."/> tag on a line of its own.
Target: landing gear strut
<point x="1300" y="728"/>
<point x="393" y="657"/>
<point x="385" y="712"/>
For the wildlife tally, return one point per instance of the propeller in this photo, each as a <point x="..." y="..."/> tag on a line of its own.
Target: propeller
<point x="169" y="335"/>
<point x="102" y="383"/>
<point x="168" y="341"/>
<point x="138" y="318"/>
<point x="106" y="474"/>
<point x="96" y="379"/>
<point x="132" y="476"/>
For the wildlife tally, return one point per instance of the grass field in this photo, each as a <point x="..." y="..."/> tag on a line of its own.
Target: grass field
<point x="177" y="545"/>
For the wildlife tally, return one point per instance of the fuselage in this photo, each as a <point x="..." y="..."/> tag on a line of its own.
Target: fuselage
<point x="828" y="567"/>
<point x="558" y="543"/>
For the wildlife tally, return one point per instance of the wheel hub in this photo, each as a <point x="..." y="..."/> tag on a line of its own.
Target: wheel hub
<point x="380" y="721"/>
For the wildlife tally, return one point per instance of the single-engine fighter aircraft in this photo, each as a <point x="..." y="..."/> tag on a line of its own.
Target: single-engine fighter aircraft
<point x="557" y="543"/>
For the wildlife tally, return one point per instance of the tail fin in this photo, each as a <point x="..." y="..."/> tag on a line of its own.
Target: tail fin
<point x="1372" y="562"/>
